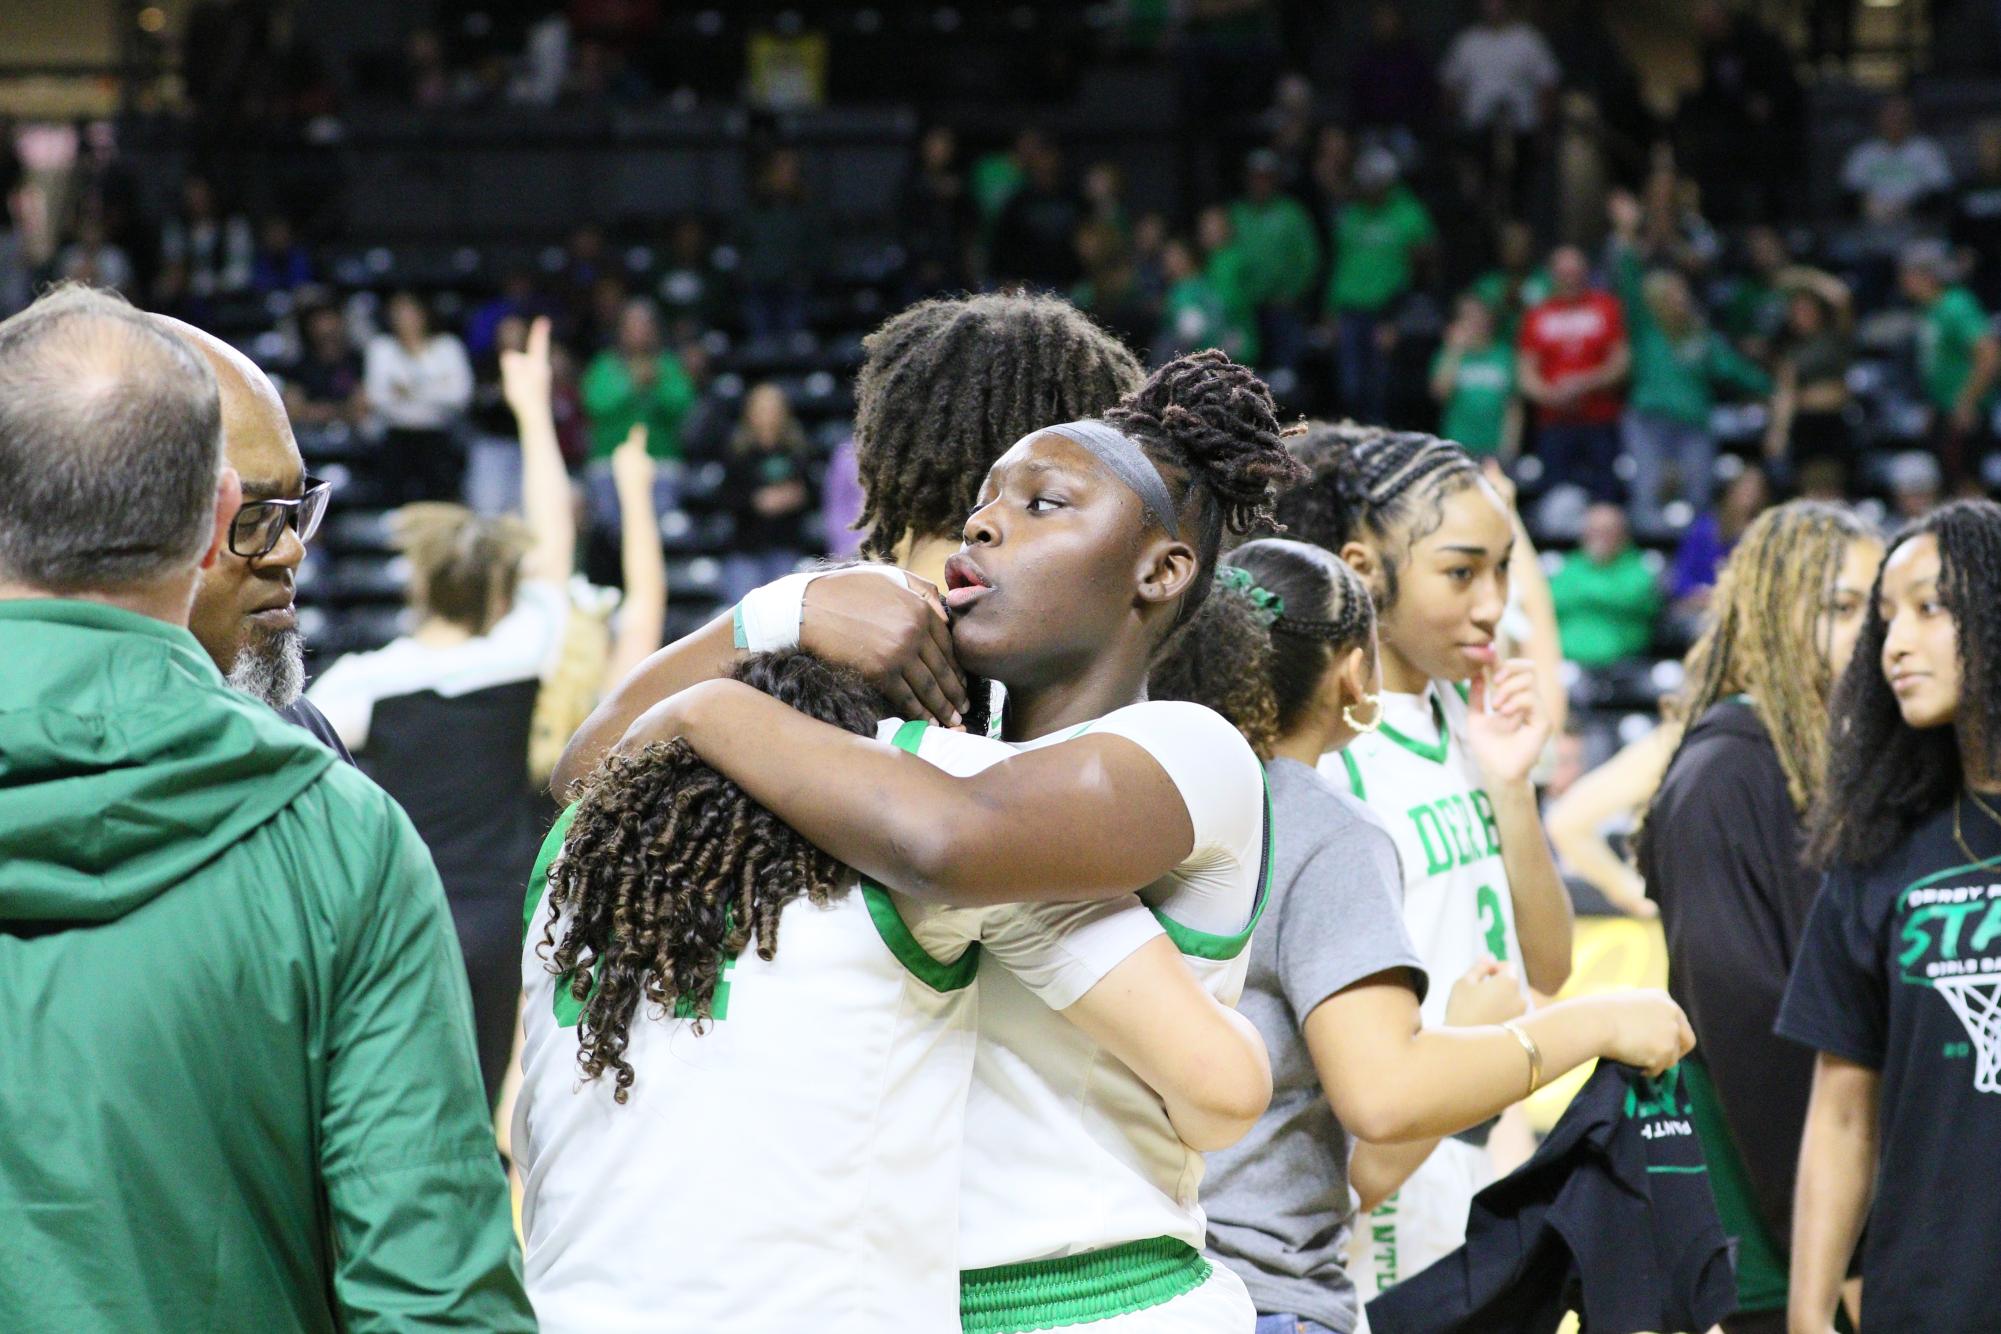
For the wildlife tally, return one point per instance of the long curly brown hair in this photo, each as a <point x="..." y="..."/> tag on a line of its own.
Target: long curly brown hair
<point x="670" y="869"/>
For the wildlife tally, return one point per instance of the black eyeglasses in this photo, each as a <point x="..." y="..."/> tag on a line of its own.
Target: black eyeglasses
<point x="260" y="525"/>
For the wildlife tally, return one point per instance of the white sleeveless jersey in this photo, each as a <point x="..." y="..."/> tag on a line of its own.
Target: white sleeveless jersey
<point x="796" y="1165"/>
<point x="1416" y="774"/>
<point x="1066" y="1149"/>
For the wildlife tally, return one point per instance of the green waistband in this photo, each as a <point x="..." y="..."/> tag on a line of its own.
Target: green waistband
<point x="1078" y="1289"/>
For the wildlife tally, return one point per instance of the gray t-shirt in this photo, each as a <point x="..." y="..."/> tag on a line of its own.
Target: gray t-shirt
<point x="1279" y="1203"/>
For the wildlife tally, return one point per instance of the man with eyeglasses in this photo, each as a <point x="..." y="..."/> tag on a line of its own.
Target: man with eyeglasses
<point x="238" y="1082"/>
<point x="244" y="613"/>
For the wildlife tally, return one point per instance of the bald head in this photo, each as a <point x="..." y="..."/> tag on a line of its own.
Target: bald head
<point x="243" y="613"/>
<point x="256" y="433"/>
<point x="109" y="447"/>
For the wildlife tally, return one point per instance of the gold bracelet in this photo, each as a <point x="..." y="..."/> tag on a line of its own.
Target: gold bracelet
<point x="1535" y="1054"/>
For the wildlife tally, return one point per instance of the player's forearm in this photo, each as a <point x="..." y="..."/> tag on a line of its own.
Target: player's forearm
<point x="1445" y="1080"/>
<point x="1542" y="905"/>
<point x="1575" y="819"/>
<point x="1836" y="1177"/>
<point x="1378" y="1171"/>
<point x="1592" y="860"/>
<point x="708" y="653"/>
<point x="643" y="614"/>
<point x="1232" y="1091"/>
<point x="1544" y="645"/>
<point x="1040" y="827"/>
<point x="545" y="495"/>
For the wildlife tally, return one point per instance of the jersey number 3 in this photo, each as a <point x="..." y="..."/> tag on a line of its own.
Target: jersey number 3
<point x="1492" y="923"/>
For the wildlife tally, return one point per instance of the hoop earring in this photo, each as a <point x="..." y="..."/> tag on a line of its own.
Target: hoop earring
<point x="1348" y="715"/>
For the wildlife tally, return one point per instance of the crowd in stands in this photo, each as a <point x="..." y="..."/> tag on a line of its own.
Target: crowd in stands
<point x="1389" y="246"/>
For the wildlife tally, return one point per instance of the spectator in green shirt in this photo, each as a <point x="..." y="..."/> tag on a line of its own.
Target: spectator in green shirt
<point x="1958" y="357"/>
<point x="636" y="380"/>
<point x="1473" y="379"/>
<point x="1606" y="596"/>
<point x="1380" y="238"/>
<point x="1678" y="363"/>
<point x="1281" y="256"/>
<point x="1516" y="282"/>
<point x="1197" y="311"/>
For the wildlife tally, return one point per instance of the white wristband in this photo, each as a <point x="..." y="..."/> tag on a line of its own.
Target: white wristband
<point x="768" y="618"/>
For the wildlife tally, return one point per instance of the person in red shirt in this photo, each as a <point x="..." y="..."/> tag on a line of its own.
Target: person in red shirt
<point x="1573" y="359"/>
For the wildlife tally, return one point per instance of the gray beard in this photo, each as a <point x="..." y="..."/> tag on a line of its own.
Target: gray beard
<point x="271" y="667"/>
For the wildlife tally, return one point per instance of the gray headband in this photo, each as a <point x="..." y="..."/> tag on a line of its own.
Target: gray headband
<point x="1124" y="457"/>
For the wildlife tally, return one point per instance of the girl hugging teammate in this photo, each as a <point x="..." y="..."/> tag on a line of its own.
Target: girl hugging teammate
<point x="1091" y="542"/>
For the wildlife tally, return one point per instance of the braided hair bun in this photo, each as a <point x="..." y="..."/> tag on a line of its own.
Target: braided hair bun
<point x="1214" y="420"/>
<point x="1210" y="426"/>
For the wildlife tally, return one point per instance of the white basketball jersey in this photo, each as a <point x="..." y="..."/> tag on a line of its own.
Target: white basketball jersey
<point x="1416" y="774"/>
<point x="1066" y="1149"/>
<point x="795" y="1165"/>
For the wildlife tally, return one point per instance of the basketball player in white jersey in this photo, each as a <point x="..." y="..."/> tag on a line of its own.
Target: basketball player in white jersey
<point x="1447" y="768"/>
<point x="1091" y="542"/>
<point x="771" y="1137"/>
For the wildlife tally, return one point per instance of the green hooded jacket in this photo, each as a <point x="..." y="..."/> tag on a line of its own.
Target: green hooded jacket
<point x="237" y="1081"/>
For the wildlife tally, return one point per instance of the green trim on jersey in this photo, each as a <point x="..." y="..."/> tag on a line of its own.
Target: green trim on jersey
<point x="895" y="932"/>
<point x="538" y="879"/>
<point x="1207" y="944"/>
<point x="737" y="637"/>
<point x="1436" y="753"/>
<point x="1355" y="784"/>
<point x="1465" y="691"/>
<point x="1079" y="1289"/>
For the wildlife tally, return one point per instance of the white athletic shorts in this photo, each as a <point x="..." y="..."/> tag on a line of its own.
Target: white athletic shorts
<point x="1219" y="1306"/>
<point x="1424" y="1221"/>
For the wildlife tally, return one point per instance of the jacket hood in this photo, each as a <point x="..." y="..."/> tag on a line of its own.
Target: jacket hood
<point x="126" y="762"/>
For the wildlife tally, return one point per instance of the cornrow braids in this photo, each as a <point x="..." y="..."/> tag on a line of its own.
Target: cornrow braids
<point x="670" y="869"/>
<point x="1761" y="634"/>
<point x="949" y="384"/>
<point x="1884" y="776"/>
<point x="1211" y="428"/>
<point x="1263" y="672"/>
<point x="1371" y="483"/>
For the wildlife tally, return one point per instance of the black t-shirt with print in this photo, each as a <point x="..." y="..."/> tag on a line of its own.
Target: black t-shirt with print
<point x="1900" y="971"/>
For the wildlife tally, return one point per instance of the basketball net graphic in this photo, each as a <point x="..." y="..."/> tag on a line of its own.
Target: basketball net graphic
<point x="1977" y="1002"/>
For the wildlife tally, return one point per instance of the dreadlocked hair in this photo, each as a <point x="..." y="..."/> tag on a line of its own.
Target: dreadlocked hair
<point x="1760" y="638"/>
<point x="1370" y="483"/>
<point x="1210" y="426"/>
<point x="949" y="384"/>
<point x="1885" y="777"/>
<point x="670" y="869"/>
<point x="1260" y="661"/>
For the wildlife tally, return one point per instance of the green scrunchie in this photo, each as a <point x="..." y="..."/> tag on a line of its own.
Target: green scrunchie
<point x="1270" y="606"/>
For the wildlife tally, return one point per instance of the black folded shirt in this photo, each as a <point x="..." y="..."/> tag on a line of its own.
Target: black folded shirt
<point x="1611" y="1218"/>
